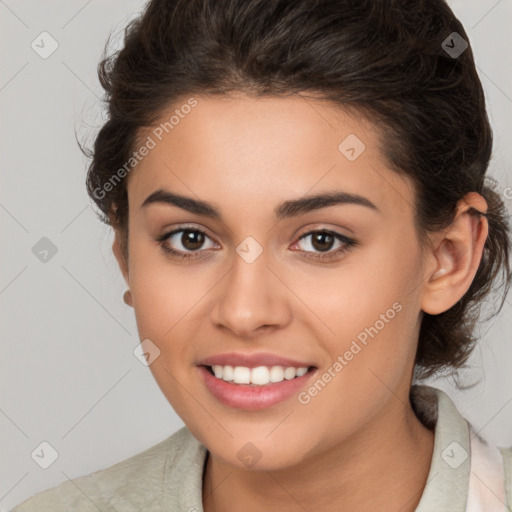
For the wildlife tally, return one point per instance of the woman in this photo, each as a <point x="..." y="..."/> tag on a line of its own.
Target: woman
<point x="302" y="217"/>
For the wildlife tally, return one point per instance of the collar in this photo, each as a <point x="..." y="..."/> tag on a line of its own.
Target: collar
<point x="448" y="478"/>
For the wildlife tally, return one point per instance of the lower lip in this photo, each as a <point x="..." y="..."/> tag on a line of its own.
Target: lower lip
<point x="253" y="398"/>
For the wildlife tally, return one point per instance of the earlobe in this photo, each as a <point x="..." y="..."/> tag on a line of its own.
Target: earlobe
<point x="127" y="298"/>
<point x="457" y="255"/>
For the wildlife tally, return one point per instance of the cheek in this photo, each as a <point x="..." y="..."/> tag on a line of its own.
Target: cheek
<point x="370" y="359"/>
<point x="355" y="295"/>
<point x="164" y="291"/>
<point x="166" y="304"/>
<point x="371" y="309"/>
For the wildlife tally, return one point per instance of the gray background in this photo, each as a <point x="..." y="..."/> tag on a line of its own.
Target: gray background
<point x="68" y="373"/>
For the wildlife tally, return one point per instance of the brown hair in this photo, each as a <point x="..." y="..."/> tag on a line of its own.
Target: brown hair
<point x="385" y="59"/>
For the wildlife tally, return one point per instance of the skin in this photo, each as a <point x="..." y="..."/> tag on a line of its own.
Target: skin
<point x="357" y="445"/>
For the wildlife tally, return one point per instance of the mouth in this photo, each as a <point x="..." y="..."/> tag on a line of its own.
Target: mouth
<point x="254" y="388"/>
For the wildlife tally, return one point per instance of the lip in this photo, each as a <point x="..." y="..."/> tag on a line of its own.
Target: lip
<point x="250" y="397"/>
<point x="252" y="360"/>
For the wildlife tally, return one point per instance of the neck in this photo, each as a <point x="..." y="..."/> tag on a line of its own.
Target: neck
<point x="383" y="467"/>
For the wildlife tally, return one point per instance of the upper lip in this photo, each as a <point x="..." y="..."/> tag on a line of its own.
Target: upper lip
<point x="252" y="360"/>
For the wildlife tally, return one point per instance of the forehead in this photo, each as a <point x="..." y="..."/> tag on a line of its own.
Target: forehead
<point x="264" y="149"/>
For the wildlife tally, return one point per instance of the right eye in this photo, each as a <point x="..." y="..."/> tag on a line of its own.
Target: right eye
<point x="190" y="239"/>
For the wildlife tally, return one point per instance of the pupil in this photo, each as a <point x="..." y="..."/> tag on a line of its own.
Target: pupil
<point x="192" y="240"/>
<point x="320" y="237"/>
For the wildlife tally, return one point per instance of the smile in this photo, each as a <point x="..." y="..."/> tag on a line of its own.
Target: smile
<point x="254" y="388"/>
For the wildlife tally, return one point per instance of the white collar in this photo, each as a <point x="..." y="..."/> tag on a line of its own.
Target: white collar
<point x="466" y="473"/>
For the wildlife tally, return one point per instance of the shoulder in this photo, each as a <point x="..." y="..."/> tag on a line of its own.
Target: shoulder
<point x="133" y="484"/>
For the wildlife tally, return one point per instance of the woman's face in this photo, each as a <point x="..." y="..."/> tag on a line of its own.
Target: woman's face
<point x="253" y="287"/>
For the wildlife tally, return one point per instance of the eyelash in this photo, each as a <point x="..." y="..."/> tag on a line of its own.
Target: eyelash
<point x="348" y="244"/>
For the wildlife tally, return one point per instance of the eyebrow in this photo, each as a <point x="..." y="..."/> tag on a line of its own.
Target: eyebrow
<point x="286" y="209"/>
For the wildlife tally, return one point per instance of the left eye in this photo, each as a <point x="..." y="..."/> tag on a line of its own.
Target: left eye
<point x="323" y="240"/>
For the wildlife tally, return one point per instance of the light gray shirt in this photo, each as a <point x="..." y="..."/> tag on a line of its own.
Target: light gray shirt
<point x="466" y="474"/>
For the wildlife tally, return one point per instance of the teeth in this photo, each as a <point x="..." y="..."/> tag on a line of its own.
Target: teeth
<point x="276" y="374"/>
<point x="289" y="373"/>
<point x="259" y="376"/>
<point x="226" y="373"/>
<point x="301" y="371"/>
<point x="242" y="375"/>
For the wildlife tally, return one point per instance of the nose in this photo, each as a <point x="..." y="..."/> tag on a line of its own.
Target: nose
<point x="251" y="299"/>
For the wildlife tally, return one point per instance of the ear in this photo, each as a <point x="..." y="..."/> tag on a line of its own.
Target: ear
<point x="456" y="255"/>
